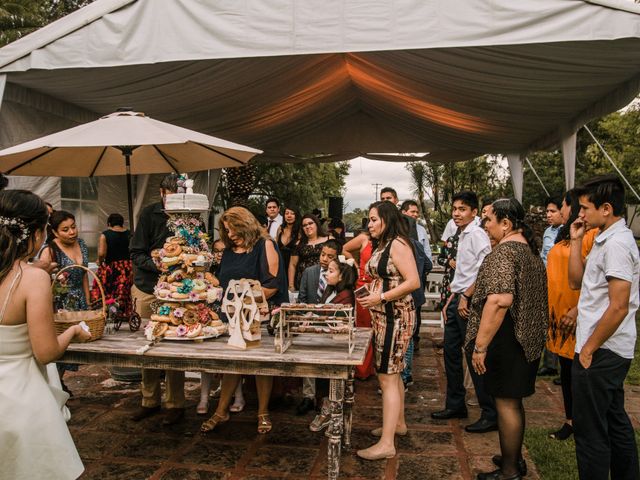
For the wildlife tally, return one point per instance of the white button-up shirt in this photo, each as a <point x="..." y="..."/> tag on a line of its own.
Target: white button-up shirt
<point x="614" y="255"/>
<point x="473" y="246"/>
<point x="273" y="224"/>
<point x="423" y="238"/>
<point x="548" y="241"/>
<point x="451" y="228"/>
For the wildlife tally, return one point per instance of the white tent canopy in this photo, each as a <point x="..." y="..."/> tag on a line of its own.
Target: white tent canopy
<point x="341" y="78"/>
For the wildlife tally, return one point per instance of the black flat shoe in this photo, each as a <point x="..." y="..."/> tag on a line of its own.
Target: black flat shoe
<point x="173" y="416"/>
<point x="498" y="475"/>
<point x="522" y="464"/>
<point x="557" y="381"/>
<point x="447" y="413"/>
<point x="565" y="432"/>
<point x="305" y="406"/>
<point x="547" y="372"/>
<point x="144" y="412"/>
<point x="482" y="426"/>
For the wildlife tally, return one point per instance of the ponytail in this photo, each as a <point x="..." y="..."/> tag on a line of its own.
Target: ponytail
<point x="511" y="209"/>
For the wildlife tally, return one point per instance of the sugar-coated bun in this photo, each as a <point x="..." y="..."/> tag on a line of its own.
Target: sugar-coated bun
<point x="195" y="331"/>
<point x="160" y="318"/>
<point x="179" y="296"/>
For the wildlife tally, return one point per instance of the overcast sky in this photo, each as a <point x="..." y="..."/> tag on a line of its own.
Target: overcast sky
<point x="364" y="173"/>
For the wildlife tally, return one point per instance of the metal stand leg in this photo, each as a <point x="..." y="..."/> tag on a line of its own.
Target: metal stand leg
<point x="348" y="409"/>
<point x="336" y="398"/>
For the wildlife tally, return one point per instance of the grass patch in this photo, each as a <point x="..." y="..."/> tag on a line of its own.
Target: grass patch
<point x="633" y="377"/>
<point x="555" y="460"/>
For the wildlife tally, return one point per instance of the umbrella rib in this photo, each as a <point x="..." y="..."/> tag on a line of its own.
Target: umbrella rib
<point x="26" y="162"/>
<point x="98" y="162"/>
<point x="219" y="153"/>
<point x="165" y="158"/>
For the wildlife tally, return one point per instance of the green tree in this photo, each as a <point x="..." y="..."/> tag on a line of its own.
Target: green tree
<point x="353" y="219"/>
<point x="21" y="17"/>
<point x="304" y="186"/>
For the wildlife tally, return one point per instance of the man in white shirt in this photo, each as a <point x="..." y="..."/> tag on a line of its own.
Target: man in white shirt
<point x="473" y="246"/>
<point x="274" y="219"/>
<point x="605" y="333"/>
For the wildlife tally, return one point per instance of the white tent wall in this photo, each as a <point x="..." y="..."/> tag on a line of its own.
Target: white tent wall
<point x="342" y="78"/>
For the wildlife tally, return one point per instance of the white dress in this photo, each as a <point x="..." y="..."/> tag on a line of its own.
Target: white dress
<point x="34" y="439"/>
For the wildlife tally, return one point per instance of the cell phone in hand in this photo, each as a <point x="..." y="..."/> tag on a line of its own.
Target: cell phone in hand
<point x="363" y="291"/>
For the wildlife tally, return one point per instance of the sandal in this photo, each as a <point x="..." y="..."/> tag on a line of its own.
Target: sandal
<point x="202" y="408"/>
<point x="213" y="422"/>
<point x="264" y="423"/>
<point x="237" y="407"/>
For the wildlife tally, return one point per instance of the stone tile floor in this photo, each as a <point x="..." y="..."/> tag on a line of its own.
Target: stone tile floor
<point x="113" y="447"/>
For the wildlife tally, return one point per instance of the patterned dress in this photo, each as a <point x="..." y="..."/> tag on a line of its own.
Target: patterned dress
<point x="448" y="252"/>
<point x="308" y="256"/>
<point x="392" y="323"/>
<point x="116" y="273"/>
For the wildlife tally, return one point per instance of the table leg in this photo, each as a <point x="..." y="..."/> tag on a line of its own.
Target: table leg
<point x="336" y="398"/>
<point x="348" y="409"/>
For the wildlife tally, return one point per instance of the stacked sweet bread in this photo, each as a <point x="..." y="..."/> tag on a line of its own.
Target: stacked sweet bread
<point x="185" y="288"/>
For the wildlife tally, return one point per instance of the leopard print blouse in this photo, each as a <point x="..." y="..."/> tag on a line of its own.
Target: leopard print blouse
<point x="512" y="268"/>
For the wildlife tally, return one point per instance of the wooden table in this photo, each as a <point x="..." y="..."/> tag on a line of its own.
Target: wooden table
<point x="315" y="356"/>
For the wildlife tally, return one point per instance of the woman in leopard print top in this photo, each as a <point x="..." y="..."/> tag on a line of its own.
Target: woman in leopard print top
<point x="507" y="326"/>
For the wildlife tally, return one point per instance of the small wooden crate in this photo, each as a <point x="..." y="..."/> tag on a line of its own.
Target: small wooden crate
<point x="330" y="319"/>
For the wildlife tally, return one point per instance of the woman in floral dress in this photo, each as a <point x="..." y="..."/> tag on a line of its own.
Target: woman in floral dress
<point x="72" y="290"/>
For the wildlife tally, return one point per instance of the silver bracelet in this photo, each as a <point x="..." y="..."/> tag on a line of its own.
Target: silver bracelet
<point x="478" y="350"/>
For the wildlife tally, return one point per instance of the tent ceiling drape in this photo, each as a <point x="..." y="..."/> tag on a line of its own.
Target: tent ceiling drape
<point x="452" y="78"/>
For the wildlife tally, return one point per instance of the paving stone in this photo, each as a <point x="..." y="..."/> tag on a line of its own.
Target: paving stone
<point x="413" y="467"/>
<point x="183" y="474"/>
<point x="217" y="455"/>
<point x="95" y="445"/>
<point x="426" y="442"/>
<point x="281" y="460"/>
<point x="149" y="447"/>
<point x="119" y="471"/>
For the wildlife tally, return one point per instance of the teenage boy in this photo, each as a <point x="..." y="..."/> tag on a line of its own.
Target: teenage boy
<point x="312" y="285"/>
<point x="274" y="219"/>
<point x="473" y="246"/>
<point x="554" y="219"/>
<point x="605" y="334"/>
<point x="388" y="194"/>
<point x="150" y="234"/>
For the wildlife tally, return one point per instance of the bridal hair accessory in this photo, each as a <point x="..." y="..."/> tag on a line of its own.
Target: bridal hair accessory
<point x="14" y="225"/>
<point x="348" y="261"/>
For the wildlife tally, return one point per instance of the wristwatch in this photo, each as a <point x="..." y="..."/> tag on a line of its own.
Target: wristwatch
<point x="383" y="300"/>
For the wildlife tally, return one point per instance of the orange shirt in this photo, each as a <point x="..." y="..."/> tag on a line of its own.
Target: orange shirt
<point x="561" y="297"/>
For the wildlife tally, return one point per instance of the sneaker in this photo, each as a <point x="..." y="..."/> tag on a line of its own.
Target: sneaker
<point x="320" y="422"/>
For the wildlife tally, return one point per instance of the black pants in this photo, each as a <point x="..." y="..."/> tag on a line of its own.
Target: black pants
<point x="566" y="364"/>
<point x="605" y="440"/>
<point x="454" y="332"/>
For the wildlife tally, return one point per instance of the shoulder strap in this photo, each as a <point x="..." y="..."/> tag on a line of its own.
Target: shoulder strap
<point x="10" y="293"/>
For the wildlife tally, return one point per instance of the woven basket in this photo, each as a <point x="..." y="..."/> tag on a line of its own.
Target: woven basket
<point x="95" y="319"/>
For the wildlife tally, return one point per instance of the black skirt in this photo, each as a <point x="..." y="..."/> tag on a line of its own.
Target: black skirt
<point x="509" y="374"/>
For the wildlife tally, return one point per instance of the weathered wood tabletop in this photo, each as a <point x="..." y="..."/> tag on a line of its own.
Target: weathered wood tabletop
<point x="318" y="356"/>
<point x="310" y="355"/>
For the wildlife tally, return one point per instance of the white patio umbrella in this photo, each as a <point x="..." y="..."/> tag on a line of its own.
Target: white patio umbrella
<point x="122" y="143"/>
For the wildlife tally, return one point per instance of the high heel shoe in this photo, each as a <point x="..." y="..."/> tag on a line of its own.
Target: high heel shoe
<point x="264" y="423"/>
<point x="369" y="454"/>
<point x="213" y="422"/>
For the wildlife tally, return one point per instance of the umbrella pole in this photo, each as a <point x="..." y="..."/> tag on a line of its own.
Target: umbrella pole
<point x="127" y="160"/>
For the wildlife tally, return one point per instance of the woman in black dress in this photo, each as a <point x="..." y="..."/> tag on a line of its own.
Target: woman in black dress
<point x="307" y="253"/>
<point x="115" y="269"/>
<point x="250" y="253"/>
<point x="507" y="327"/>
<point x="288" y="234"/>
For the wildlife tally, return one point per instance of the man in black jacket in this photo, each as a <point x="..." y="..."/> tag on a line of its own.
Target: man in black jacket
<point x="150" y="234"/>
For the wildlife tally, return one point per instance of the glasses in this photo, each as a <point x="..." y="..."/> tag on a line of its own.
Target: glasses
<point x="305" y="225"/>
<point x="215" y="250"/>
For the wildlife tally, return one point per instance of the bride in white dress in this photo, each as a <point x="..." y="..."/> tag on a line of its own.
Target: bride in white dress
<point x="34" y="439"/>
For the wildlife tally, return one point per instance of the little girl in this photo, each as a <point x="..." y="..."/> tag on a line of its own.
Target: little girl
<point x="341" y="280"/>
